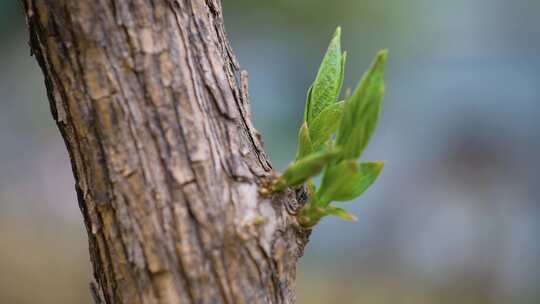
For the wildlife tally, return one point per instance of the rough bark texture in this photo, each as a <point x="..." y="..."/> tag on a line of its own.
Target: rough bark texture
<point x="155" y="116"/>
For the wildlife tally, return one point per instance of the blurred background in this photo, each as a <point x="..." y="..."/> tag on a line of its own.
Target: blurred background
<point x="455" y="216"/>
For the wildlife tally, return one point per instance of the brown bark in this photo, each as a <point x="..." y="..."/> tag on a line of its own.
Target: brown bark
<point x="166" y="161"/>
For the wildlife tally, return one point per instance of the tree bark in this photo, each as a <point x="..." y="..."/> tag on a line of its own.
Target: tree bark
<point x="155" y="115"/>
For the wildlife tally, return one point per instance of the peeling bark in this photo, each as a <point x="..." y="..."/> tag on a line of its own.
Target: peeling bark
<point x="155" y="115"/>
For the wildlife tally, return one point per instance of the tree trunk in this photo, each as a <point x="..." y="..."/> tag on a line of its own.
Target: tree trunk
<point x="155" y="116"/>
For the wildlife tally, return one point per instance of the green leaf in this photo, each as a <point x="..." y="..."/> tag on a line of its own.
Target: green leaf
<point x="308" y="103"/>
<point x="326" y="124"/>
<point x="363" y="178"/>
<point x="298" y="172"/>
<point x="329" y="78"/>
<point x="342" y="76"/>
<point x="361" y="110"/>
<point x="347" y="180"/>
<point x="341" y="213"/>
<point x="304" y="142"/>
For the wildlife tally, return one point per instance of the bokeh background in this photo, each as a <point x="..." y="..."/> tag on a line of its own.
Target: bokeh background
<point x="455" y="216"/>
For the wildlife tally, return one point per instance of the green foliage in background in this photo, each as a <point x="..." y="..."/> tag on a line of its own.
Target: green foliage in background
<point x="333" y="136"/>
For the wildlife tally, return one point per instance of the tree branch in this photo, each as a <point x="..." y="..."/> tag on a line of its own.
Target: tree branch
<point x="165" y="157"/>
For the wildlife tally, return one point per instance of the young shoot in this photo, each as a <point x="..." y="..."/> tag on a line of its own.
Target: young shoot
<point x="333" y="136"/>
